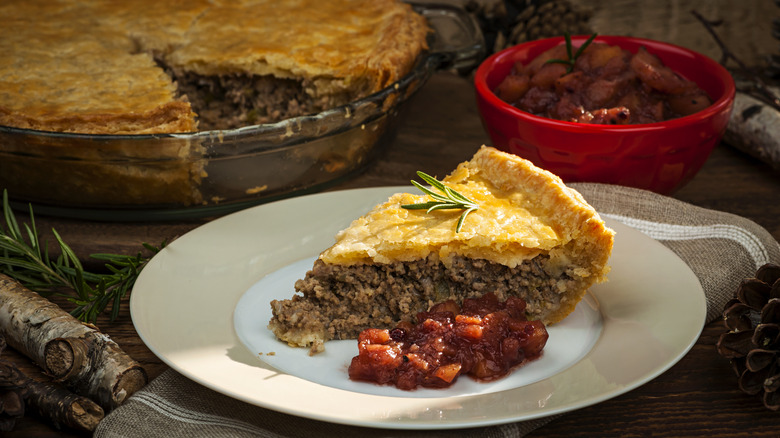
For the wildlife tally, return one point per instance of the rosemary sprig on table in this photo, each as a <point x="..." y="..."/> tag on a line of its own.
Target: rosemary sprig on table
<point x="448" y="199"/>
<point x="572" y="56"/>
<point x="26" y="259"/>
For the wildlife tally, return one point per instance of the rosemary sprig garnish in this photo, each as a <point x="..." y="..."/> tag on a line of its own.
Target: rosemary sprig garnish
<point x="26" y="259"/>
<point x="448" y="199"/>
<point x="572" y="56"/>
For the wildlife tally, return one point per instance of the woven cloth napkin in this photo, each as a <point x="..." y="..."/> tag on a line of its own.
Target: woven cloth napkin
<point x="720" y="248"/>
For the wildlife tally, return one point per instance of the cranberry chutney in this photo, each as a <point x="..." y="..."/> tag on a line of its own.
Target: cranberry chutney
<point x="485" y="339"/>
<point x="604" y="85"/>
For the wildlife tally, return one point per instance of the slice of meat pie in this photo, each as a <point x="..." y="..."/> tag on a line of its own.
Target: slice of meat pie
<point x="530" y="236"/>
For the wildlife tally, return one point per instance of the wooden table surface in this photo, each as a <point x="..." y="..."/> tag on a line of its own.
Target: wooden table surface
<point x="696" y="397"/>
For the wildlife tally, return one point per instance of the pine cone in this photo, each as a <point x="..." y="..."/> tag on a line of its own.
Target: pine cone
<point x="752" y="343"/>
<point x="510" y="22"/>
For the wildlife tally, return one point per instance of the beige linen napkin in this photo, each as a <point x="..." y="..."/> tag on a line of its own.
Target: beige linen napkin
<point x="720" y="248"/>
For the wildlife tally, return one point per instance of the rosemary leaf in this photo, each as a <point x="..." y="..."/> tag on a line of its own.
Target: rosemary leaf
<point x="463" y="217"/>
<point x="26" y="259"/>
<point x="420" y="206"/>
<point x="448" y="199"/>
<point x="572" y="56"/>
<point x="10" y="219"/>
<point x="444" y="207"/>
<point x="67" y="253"/>
<point x="583" y="46"/>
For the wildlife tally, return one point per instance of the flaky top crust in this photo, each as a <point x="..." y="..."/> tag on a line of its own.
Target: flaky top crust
<point x="363" y="44"/>
<point x="523" y="211"/>
<point x="117" y="94"/>
<point x="68" y="71"/>
<point x="89" y="67"/>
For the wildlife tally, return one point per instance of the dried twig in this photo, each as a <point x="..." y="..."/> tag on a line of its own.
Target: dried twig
<point x="759" y="88"/>
<point x="755" y="121"/>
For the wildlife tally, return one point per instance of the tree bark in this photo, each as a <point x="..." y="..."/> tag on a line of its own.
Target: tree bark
<point x="84" y="359"/>
<point x="46" y="398"/>
<point x="62" y="407"/>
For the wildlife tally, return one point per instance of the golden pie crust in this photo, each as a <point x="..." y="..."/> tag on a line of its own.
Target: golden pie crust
<point x="91" y="67"/>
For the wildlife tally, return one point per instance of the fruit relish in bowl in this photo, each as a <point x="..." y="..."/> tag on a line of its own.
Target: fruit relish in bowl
<point x="601" y="84"/>
<point x="660" y="156"/>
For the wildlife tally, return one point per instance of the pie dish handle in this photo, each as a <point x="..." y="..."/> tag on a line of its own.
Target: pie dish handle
<point x="456" y="41"/>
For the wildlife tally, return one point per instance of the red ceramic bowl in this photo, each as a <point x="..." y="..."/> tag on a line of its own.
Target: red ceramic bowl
<point x="661" y="156"/>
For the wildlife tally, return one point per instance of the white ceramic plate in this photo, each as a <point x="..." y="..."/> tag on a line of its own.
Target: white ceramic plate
<point x="201" y="305"/>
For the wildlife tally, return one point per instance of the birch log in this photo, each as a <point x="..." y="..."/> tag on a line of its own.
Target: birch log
<point x="754" y="128"/>
<point x="48" y="399"/>
<point x="83" y="359"/>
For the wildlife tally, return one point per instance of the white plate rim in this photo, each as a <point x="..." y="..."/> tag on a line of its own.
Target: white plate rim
<point x="182" y="308"/>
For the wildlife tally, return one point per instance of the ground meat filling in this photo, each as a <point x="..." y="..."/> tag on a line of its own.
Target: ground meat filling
<point x="338" y="302"/>
<point x="233" y="101"/>
<point x="236" y="100"/>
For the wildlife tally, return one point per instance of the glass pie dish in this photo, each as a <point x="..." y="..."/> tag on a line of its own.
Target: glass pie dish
<point x="210" y="173"/>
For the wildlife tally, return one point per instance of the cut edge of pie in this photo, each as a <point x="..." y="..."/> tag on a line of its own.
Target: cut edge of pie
<point x="532" y="237"/>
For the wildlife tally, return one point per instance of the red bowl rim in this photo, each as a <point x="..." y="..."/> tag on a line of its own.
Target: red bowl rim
<point x="723" y="102"/>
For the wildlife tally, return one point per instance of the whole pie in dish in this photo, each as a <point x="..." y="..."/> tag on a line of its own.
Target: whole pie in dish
<point x="150" y="66"/>
<point x="171" y="66"/>
<point x="531" y="236"/>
